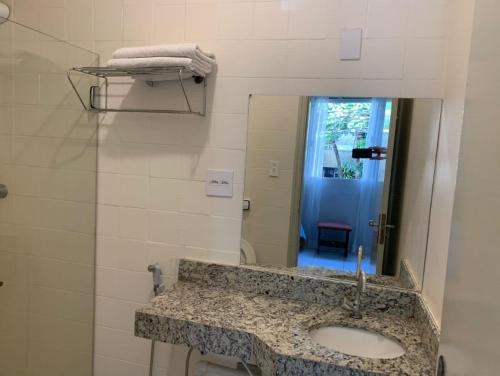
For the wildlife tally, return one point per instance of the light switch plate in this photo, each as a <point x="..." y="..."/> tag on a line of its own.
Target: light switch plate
<point x="220" y="183"/>
<point x="350" y="44"/>
<point x="274" y="168"/>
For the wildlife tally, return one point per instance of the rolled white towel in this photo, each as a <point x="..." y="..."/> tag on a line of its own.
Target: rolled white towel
<point x="190" y="50"/>
<point x="209" y="369"/>
<point x="196" y="66"/>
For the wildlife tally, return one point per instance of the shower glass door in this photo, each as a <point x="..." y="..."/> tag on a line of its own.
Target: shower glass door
<point x="48" y="159"/>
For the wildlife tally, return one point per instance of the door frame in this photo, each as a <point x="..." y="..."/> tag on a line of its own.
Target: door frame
<point x="297" y="184"/>
<point x="391" y="263"/>
<point x="297" y="181"/>
<point x="384" y="203"/>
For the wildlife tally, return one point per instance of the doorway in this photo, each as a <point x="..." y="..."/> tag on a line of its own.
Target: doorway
<point x="344" y="195"/>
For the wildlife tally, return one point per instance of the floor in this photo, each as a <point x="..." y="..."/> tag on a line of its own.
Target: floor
<point x="334" y="259"/>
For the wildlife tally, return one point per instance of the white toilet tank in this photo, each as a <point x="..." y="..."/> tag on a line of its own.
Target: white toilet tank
<point x="247" y="253"/>
<point x="210" y="369"/>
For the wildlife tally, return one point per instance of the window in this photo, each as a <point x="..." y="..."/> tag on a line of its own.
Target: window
<point x="346" y="127"/>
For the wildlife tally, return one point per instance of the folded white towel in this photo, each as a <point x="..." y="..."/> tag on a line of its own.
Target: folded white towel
<point x="189" y="50"/>
<point x="161" y="77"/>
<point x="199" y="67"/>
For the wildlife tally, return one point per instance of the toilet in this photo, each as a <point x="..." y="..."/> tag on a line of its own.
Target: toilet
<point x="247" y="253"/>
<point x="210" y="369"/>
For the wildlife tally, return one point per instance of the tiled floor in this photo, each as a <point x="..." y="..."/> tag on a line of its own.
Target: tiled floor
<point x="334" y="259"/>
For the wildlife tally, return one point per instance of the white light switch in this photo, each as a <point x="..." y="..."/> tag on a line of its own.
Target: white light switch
<point x="220" y="183"/>
<point x="274" y="168"/>
<point x="350" y="44"/>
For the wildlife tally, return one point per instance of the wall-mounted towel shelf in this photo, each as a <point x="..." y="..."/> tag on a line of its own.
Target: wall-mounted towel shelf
<point x="150" y="75"/>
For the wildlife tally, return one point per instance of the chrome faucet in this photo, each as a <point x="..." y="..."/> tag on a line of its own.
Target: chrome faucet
<point x="360" y="288"/>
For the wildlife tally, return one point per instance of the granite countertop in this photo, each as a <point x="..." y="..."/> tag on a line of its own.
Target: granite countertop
<point x="316" y="271"/>
<point x="273" y="331"/>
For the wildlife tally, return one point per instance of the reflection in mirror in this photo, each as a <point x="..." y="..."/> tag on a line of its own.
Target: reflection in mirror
<point x="326" y="175"/>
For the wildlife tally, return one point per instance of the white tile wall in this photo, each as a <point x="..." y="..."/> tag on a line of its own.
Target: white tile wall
<point x="388" y="18"/>
<point x="47" y="222"/>
<point x="152" y="168"/>
<point x="272" y="131"/>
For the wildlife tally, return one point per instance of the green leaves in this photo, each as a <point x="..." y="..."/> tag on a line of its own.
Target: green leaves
<point x="347" y="120"/>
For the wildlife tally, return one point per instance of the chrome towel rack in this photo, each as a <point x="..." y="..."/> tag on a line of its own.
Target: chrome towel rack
<point x="150" y="75"/>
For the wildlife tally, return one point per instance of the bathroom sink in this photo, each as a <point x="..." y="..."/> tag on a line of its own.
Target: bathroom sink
<point x="358" y="342"/>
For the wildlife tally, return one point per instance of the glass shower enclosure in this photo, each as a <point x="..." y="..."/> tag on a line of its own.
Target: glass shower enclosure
<point x="48" y="158"/>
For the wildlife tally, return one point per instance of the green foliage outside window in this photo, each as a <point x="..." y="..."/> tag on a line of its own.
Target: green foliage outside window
<point x="347" y="120"/>
<point x="352" y="169"/>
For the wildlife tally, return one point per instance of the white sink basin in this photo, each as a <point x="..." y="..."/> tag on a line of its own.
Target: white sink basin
<point x="357" y="342"/>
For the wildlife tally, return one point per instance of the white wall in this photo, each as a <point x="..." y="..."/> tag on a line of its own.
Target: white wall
<point x="471" y="322"/>
<point x="272" y="135"/>
<point x="152" y="167"/>
<point x="459" y="23"/>
<point x="419" y="177"/>
<point x="48" y="161"/>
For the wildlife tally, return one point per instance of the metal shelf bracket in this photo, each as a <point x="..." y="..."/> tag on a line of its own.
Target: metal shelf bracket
<point x="104" y="73"/>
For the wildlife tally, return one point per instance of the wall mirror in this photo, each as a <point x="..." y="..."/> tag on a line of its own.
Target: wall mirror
<point x="325" y="175"/>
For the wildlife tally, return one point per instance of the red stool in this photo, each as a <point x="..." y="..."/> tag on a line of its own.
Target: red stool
<point x="334" y="226"/>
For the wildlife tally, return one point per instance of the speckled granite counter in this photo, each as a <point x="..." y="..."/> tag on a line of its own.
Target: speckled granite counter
<point x="315" y="271"/>
<point x="286" y="283"/>
<point x="273" y="331"/>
